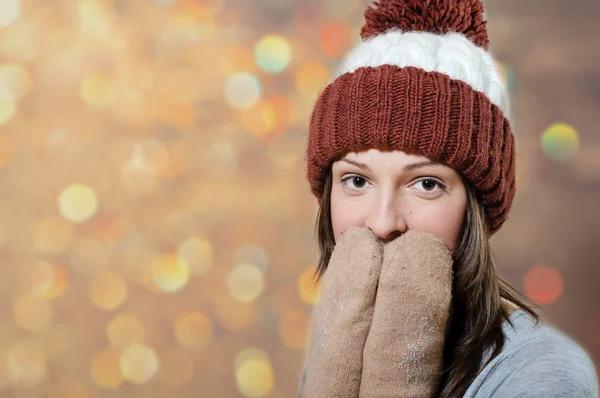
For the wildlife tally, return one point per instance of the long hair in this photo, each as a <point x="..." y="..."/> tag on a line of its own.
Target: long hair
<point x="477" y="312"/>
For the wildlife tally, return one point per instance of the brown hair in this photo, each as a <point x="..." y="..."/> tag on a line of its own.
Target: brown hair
<point x="477" y="315"/>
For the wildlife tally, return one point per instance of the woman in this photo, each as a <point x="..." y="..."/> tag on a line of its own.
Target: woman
<point x="412" y="159"/>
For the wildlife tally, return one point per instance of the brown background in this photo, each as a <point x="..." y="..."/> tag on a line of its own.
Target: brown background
<point x="156" y="240"/>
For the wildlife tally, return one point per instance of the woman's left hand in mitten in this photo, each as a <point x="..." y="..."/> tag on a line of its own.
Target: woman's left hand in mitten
<point x="403" y="354"/>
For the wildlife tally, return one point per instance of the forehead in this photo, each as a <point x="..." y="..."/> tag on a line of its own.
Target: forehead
<point x="375" y="158"/>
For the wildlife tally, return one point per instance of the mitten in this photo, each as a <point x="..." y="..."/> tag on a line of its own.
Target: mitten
<point x="403" y="354"/>
<point x="342" y="317"/>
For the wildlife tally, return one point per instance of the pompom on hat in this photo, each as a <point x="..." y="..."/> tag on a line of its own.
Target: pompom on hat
<point x="421" y="81"/>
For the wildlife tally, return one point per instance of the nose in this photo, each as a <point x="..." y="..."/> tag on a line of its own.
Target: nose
<point x="387" y="220"/>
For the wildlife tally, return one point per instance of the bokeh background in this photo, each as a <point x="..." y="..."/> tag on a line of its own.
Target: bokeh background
<point x="156" y="227"/>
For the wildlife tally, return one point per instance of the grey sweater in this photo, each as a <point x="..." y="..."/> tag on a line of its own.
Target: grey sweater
<point x="537" y="361"/>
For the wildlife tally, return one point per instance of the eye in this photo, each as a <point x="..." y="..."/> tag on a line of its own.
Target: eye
<point x="429" y="184"/>
<point x="354" y="182"/>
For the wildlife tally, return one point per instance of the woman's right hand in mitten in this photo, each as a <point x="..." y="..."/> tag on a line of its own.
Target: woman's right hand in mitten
<point x="342" y="318"/>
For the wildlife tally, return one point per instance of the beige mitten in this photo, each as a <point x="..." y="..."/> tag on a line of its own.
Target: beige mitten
<point x="403" y="354"/>
<point x="342" y="318"/>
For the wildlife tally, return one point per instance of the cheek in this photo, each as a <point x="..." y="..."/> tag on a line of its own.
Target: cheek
<point x="443" y="222"/>
<point x="345" y="214"/>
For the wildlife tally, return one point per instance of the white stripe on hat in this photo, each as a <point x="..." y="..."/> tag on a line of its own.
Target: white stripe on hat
<point x="452" y="54"/>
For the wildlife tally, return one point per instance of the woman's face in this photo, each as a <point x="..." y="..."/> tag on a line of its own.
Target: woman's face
<point x="391" y="192"/>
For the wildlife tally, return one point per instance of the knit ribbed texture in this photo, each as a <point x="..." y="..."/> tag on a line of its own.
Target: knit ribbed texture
<point x="424" y="113"/>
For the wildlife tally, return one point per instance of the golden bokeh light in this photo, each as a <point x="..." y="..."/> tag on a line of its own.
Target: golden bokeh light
<point x="77" y="203"/>
<point x="32" y="313"/>
<point x="124" y="330"/>
<point x="139" y="363"/>
<point x="108" y="290"/>
<point x="16" y="80"/>
<point x="245" y="282"/>
<point x="27" y="363"/>
<point x="105" y="369"/>
<point x="170" y="273"/>
<point x="50" y="280"/>
<point x="137" y="175"/>
<point x="311" y="78"/>
<point x="307" y="289"/>
<point x="254" y="374"/>
<point x="98" y="89"/>
<point x="193" y="330"/>
<point x="10" y="10"/>
<point x="198" y="253"/>
<point x="8" y="106"/>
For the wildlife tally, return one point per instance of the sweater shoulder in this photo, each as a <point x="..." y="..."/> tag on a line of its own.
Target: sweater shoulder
<point x="537" y="360"/>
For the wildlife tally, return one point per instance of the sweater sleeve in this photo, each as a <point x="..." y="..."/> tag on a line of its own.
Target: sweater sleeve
<point x="538" y="368"/>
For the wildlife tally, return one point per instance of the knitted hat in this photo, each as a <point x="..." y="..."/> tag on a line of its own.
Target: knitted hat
<point x="421" y="81"/>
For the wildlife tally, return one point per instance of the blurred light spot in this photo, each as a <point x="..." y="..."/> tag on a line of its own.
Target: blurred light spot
<point x="6" y="149"/>
<point x="252" y="254"/>
<point x="8" y="105"/>
<point x="16" y="80"/>
<point x="105" y="369"/>
<point x="253" y="373"/>
<point x="234" y="315"/>
<point x="97" y="89"/>
<point x="139" y="363"/>
<point x="335" y="39"/>
<point x="77" y="203"/>
<point x="560" y="142"/>
<point x="9" y="12"/>
<point x="32" y="313"/>
<point x="272" y="53"/>
<point x="176" y="366"/>
<point x="543" y="284"/>
<point x="124" y="330"/>
<point x="198" y="254"/>
<point x="293" y="329"/>
<point x="137" y="175"/>
<point x="88" y="256"/>
<point x="307" y="289"/>
<point x="50" y="280"/>
<point x="156" y="154"/>
<point x="311" y="78"/>
<point x="263" y="120"/>
<point x="193" y="330"/>
<point x="108" y="290"/>
<point x="242" y="90"/>
<point x="164" y="2"/>
<point x="235" y="58"/>
<point x="170" y="273"/>
<point x="52" y="235"/>
<point x="245" y="282"/>
<point x="27" y="363"/>
<point x="220" y="158"/>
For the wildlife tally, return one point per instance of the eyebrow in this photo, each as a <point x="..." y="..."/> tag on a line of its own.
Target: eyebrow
<point x="406" y="168"/>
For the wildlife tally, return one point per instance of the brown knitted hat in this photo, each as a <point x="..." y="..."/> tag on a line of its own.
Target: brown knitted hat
<point x="421" y="81"/>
